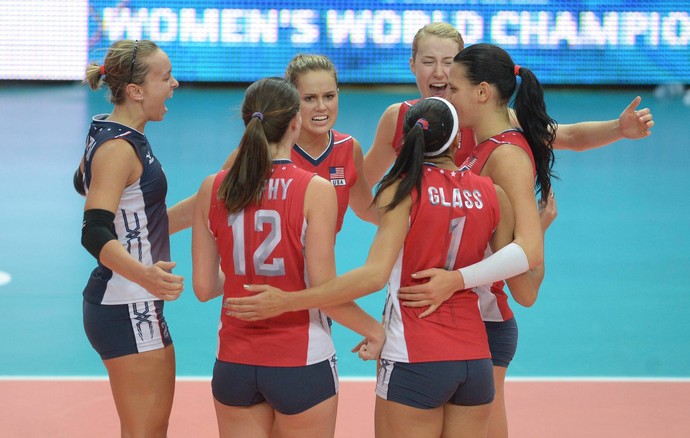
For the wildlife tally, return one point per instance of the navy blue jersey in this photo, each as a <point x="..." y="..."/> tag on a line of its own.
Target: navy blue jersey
<point x="141" y="219"/>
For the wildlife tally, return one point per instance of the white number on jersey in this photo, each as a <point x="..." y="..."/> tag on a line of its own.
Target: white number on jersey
<point x="262" y="218"/>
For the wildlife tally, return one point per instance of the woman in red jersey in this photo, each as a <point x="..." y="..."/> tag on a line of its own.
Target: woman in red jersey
<point x="266" y="220"/>
<point x="433" y="49"/>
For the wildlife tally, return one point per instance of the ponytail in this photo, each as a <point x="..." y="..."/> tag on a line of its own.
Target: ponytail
<point x="430" y="130"/>
<point x="268" y="107"/>
<point x="244" y="182"/>
<point x="407" y="168"/>
<point x="538" y="128"/>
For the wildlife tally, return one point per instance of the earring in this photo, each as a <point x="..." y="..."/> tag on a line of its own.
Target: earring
<point x="141" y="98"/>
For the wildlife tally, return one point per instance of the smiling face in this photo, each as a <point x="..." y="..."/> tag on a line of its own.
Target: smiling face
<point x="431" y="64"/>
<point x="463" y="95"/>
<point x="318" y="92"/>
<point x="158" y="85"/>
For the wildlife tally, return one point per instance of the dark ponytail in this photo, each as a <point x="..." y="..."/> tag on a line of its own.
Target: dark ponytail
<point x="268" y="107"/>
<point x="428" y="128"/>
<point x="491" y="64"/>
<point x="538" y="128"/>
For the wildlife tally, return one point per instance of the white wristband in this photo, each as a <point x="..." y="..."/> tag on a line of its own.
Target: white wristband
<point x="507" y="262"/>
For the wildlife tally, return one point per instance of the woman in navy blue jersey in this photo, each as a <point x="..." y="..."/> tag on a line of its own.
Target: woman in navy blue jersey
<point x="126" y="228"/>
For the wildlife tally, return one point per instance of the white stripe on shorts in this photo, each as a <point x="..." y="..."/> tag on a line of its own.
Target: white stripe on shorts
<point x="333" y="361"/>
<point x="145" y="326"/>
<point x="384" y="377"/>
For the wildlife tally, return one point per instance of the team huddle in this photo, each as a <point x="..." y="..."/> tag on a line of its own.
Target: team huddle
<point x="454" y="176"/>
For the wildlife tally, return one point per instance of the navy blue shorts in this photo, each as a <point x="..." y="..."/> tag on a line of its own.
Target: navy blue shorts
<point x="503" y="338"/>
<point x="428" y="385"/>
<point x="288" y="390"/>
<point x="122" y="329"/>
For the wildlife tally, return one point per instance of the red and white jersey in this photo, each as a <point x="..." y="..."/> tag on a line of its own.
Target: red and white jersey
<point x="336" y="164"/>
<point x="466" y="138"/>
<point x="493" y="299"/>
<point x="451" y="221"/>
<point x="264" y="244"/>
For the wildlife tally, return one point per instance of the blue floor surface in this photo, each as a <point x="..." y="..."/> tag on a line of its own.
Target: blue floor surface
<point x="614" y="303"/>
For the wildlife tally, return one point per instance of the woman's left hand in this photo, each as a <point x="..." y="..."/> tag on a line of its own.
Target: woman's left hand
<point x="441" y="286"/>
<point x="267" y="303"/>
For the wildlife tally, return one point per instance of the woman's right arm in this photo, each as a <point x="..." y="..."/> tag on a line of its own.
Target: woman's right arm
<point x="524" y="287"/>
<point x="371" y="277"/>
<point x="321" y="208"/>
<point x="381" y="154"/>
<point x="114" y="166"/>
<point x="207" y="279"/>
<point x="180" y="214"/>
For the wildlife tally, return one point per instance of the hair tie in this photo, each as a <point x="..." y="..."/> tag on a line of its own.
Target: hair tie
<point x="424" y="123"/>
<point x="102" y="70"/>
<point x="516" y="70"/>
<point x="453" y="133"/>
<point x="259" y="115"/>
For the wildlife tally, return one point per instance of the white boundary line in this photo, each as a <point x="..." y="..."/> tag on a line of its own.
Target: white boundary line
<point x="371" y="379"/>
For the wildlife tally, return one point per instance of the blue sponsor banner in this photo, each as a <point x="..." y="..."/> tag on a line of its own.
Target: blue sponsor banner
<point x="564" y="42"/>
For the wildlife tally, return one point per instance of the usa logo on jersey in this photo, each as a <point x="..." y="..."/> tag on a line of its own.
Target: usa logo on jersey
<point x="337" y="175"/>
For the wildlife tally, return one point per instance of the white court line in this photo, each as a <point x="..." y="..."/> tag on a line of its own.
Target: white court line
<point x="371" y="379"/>
<point x="4" y="278"/>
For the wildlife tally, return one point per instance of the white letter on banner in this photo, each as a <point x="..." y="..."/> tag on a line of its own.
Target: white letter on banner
<point x="386" y="28"/>
<point x="676" y="29"/>
<point x="501" y="28"/>
<point x="120" y="24"/>
<point x="163" y="25"/>
<point x="231" y="30"/>
<point x="565" y="29"/>
<point x="262" y="27"/>
<point x="594" y="33"/>
<point x="352" y="27"/>
<point x="199" y="32"/>
<point x="538" y="27"/>
<point x="306" y="32"/>
<point x="470" y="25"/>
<point x="412" y="22"/>
<point x="633" y="24"/>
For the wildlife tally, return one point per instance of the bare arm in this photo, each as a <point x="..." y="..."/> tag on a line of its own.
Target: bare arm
<point x="180" y="215"/>
<point x="631" y="124"/>
<point x="532" y="279"/>
<point x="361" y="198"/>
<point x="510" y="167"/>
<point x="207" y="278"/>
<point x="321" y="212"/>
<point x="115" y="165"/>
<point x="381" y="153"/>
<point x="524" y="287"/>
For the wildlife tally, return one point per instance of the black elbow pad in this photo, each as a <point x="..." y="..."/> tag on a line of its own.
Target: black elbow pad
<point x="97" y="230"/>
<point x="78" y="181"/>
